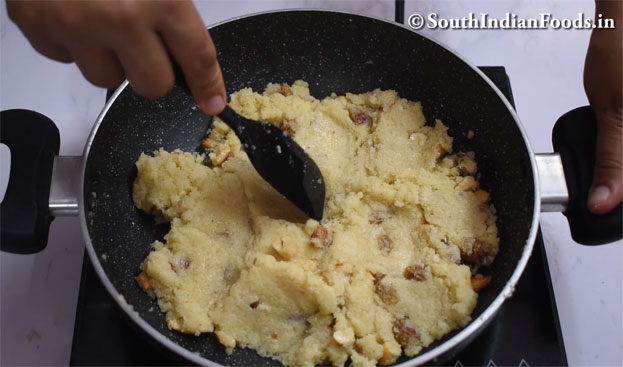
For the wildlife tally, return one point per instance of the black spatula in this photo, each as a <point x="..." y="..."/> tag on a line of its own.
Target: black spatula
<point x="280" y="161"/>
<point x="277" y="158"/>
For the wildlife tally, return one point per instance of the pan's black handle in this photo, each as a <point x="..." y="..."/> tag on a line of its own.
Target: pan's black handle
<point x="574" y="138"/>
<point x="34" y="142"/>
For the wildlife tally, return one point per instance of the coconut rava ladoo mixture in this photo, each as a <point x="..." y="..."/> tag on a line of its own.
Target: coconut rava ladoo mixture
<point x="391" y="268"/>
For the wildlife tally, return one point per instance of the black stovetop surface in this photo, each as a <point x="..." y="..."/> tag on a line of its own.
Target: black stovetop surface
<point x="525" y="331"/>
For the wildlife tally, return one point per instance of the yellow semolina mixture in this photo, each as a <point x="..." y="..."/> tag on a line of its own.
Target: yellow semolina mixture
<point x="390" y="269"/>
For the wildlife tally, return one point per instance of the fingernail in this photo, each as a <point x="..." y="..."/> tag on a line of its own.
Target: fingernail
<point x="598" y="195"/>
<point x="213" y="105"/>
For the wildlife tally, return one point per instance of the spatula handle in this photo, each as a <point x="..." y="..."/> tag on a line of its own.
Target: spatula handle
<point x="233" y="120"/>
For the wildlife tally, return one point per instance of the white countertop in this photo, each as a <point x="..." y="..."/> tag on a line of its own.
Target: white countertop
<point x="39" y="292"/>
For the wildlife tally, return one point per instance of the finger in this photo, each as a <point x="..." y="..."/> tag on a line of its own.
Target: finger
<point x="24" y="14"/>
<point x="191" y="46"/>
<point x="52" y="51"/>
<point x="46" y="46"/>
<point x="146" y="63"/>
<point x="99" y="66"/>
<point x="607" y="188"/>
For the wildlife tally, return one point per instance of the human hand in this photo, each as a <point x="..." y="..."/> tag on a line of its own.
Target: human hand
<point x="113" y="40"/>
<point x="603" y="84"/>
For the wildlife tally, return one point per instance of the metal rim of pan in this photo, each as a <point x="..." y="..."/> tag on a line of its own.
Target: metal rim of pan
<point x="428" y="355"/>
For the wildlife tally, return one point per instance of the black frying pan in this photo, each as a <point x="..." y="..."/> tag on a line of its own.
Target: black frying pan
<point x="334" y="52"/>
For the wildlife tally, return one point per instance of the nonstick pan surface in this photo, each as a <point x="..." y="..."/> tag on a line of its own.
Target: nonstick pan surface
<point x="334" y="52"/>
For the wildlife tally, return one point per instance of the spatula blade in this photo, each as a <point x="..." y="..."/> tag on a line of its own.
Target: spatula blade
<point x="281" y="161"/>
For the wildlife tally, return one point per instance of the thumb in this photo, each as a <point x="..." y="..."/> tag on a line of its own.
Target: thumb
<point x="607" y="189"/>
<point x="192" y="48"/>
